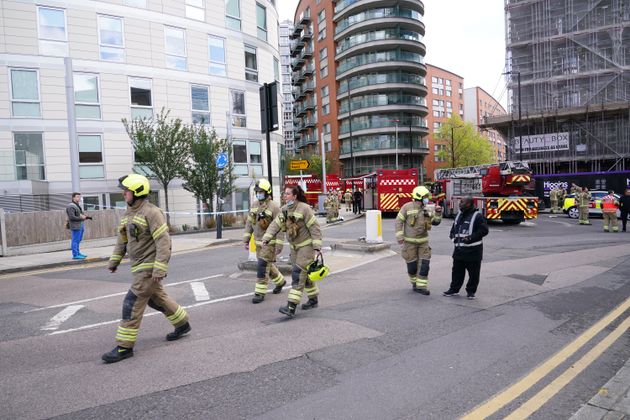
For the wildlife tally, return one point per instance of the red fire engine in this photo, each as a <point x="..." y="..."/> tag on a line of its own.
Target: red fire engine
<point x="312" y="185"/>
<point x="497" y="190"/>
<point x="386" y="189"/>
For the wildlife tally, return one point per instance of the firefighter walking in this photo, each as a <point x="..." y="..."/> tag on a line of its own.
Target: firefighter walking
<point x="610" y="204"/>
<point x="258" y="220"/>
<point x="347" y="197"/>
<point x="143" y="233"/>
<point x="412" y="231"/>
<point x="297" y="219"/>
<point x="583" y="200"/>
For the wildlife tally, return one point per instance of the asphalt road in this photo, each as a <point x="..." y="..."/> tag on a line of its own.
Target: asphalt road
<point x="372" y="350"/>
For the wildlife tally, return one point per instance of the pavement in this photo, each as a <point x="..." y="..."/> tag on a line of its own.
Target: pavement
<point x="611" y="402"/>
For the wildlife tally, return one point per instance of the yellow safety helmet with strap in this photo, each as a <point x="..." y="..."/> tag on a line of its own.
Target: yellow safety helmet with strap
<point x="136" y="183"/>
<point x="317" y="270"/>
<point x="420" y="192"/>
<point x="263" y="185"/>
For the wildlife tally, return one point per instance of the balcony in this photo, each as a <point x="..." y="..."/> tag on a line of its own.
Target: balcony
<point x="298" y="93"/>
<point x="296" y="30"/>
<point x="307" y="34"/>
<point x="308" y="105"/>
<point x="296" y="47"/>
<point x="308" y="87"/>
<point x="307" y="52"/>
<point x="305" y="17"/>
<point x="297" y="63"/>
<point x="298" y="77"/>
<point x="310" y="122"/>
<point x="310" y="140"/>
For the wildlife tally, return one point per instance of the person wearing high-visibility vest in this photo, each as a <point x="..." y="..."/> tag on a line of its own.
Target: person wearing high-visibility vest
<point x="413" y="223"/>
<point x="610" y="204"/>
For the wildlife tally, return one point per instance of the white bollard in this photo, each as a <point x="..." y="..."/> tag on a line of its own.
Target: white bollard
<point x="373" y="226"/>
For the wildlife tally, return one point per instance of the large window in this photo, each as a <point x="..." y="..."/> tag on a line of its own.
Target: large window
<point x="141" y="100"/>
<point x="238" y="108"/>
<point x="276" y="69"/>
<point x="29" y="156"/>
<point x="90" y="156"/>
<point x="233" y="14"/>
<point x="52" y="31"/>
<point x="196" y="9"/>
<point x="247" y="158"/>
<point x="86" y="96"/>
<point x="200" y="104"/>
<point x="175" y="46"/>
<point x="251" y="65"/>
<point x="25" y="93"/>
<point x="261" y="21"/>
<point x="111" y="38"/>
<point x="216" y="55"/>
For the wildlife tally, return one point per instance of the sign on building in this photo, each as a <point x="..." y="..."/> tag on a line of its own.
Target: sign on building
<point x="543" y="143"/>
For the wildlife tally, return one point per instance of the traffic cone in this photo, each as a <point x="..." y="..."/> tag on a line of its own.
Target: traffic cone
<point x="252" y="249"/>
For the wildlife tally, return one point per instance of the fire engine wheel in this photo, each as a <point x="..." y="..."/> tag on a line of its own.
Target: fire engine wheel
<point x="573" y="212"/>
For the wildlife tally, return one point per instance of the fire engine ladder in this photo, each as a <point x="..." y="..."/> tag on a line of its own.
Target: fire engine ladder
<point x="463" y="172"/>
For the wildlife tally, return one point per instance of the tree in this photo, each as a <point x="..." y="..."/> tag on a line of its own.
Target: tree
<point x="465" y="146"/>
<point x="314" y="165"/>
<point x="201" y="175"/>
<point x="161" y="148"/>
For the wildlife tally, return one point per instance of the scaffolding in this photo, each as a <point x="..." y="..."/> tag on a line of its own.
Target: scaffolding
<point x="573" y="61"/>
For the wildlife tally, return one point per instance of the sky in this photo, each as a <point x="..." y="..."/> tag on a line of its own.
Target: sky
<point x="462" y="36"/>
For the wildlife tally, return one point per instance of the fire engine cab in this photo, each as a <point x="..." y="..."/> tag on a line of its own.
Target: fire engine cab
<point x="497" y="190"/>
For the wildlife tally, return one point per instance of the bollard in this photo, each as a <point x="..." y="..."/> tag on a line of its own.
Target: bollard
<point x="373" y="227"/>
<point x="252" y="249"/>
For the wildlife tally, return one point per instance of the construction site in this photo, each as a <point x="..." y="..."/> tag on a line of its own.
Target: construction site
<point x="568" y="70"/>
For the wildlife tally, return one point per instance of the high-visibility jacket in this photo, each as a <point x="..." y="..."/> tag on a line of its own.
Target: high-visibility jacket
<point x="299" y="223"/>
<point x="610" y="204"/>
<point x="143" y="233"/>
<point x="414" y="222"/>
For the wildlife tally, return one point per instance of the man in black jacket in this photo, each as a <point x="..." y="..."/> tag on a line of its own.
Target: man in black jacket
<point x="467" y="233"/>
<point x="624" y="206"/>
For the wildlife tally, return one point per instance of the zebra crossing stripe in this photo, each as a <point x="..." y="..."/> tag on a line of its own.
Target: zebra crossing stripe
<point x="61" y="317"/>
<point x="200" y="291"/>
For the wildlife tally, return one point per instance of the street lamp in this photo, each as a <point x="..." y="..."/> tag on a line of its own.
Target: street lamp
<point x="396" y="121"/>
<point x="520" y="129"/>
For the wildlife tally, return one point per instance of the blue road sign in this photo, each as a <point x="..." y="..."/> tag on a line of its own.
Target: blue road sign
<point x="222" y="160"/>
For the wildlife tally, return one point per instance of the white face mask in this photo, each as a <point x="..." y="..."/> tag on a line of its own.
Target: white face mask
<point x="290" y="202"/>
<point x="425" y="201"/>
<point x="260" y="196"/>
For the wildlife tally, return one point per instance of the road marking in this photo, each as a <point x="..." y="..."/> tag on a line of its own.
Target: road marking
<point x="537" y="401"/>
<point x="117" y="294"/>
<point x="200" y="291"/>
<point x="508" y="395"/>
<point x="61" y="317"/>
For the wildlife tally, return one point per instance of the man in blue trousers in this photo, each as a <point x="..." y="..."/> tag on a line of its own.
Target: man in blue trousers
<point x="76" y="217"/>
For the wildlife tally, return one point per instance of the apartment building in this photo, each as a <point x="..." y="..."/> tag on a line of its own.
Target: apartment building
<point x="478" y="106"/>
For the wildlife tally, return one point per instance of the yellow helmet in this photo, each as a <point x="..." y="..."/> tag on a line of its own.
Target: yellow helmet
<point x="317" y="270"/>
<point x="263" y="185"/>
<point x="419" y="192"/>
<point x="136" y="183"/>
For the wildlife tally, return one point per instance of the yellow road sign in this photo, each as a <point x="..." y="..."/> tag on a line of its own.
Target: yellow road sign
<point x="298" y="165"/>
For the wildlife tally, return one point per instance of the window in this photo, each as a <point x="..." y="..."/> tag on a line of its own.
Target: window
<point x="175" y="47"/>
<point x="111" y="38"/>
<point x="90" y="156"/>
<point x="200" y="104"/>
<point x="323" y="53"/>
<point x="437" y="125"/>
<point x="325" y="91"/>
<point x="195" y="9"/>
<point x="448" y="82"/>
<point x="238" y="109"/>
<point x="86" y="96"/>
<point x="216" y="54"/>
<point x="251" y="66"/>
<point x="326" y="128"/>
<point x="434" y="80"/>
<point x="25" y="93"/>
<point x="261" y="21"/>
<point x="29" y="156"/>
<point x="439" y="150"/>
<point x="135" y="3"/>
<point x="276" y="69"/>
<point x="52" y="31"/>
<point x="322" y="34"/>
<point x="141" y="101"/>
<point x="323" y="68"/>
<point x="239" y="152"/>
<point x="255" y="155"/>
<point x="233" y="14"/>
<point x="247" y="157"/>
<point x="321" y="16"/>
<point x="326" y="109"/>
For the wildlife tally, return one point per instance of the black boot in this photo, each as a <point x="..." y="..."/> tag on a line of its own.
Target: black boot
<point x="422" y="291"/>
<point x="311" y="304"/>
<point x="278" y="288"/>
<point x="289" y="309"/>
<point x="179" y="332"/>
<point x="117" y="354"/>
<point x="258" y="298"/>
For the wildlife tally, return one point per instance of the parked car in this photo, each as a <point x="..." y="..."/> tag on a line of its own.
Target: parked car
<point x="594" y="208"/>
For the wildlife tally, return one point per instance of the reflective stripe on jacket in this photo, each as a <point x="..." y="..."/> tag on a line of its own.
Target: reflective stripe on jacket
<point x="610" y="204"/>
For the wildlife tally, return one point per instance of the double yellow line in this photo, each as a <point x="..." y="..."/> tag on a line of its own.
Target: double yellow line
<point x="505" y="397"/>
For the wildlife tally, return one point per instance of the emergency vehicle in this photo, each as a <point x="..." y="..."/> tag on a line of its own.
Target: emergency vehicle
<point x="497" y="190"/>
<point x="312" y="185"/>
<point x="385" y="189"/>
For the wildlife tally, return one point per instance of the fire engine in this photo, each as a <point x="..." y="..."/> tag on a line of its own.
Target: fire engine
<point x="497" y="190"/>
<point x="385" y="189"/>
<point x="312" y="185"/>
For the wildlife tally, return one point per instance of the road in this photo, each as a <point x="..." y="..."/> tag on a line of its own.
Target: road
<point x="548" y="329"/>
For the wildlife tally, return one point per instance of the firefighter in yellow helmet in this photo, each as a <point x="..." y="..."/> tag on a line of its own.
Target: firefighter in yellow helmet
<point x="412" y="231"/>
<point x="297" y="219"/>
<point x="258" y="220"/>
<point x="143" y="233"/>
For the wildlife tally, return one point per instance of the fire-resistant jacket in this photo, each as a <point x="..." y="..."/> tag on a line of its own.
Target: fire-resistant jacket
<point x="143" y="233"/>
<point x="414" y="222"/>
<point x="583" y="199"/>
<point x="258" y="220"/>
<point x="300" y="224"/>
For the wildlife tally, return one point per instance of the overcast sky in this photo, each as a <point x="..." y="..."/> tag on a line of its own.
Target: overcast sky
<point x="463" y="36"/>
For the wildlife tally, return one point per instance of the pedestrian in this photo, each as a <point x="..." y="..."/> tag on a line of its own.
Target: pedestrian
<point x="143" y="233"/>
<point x="610" y="204"/>
<point x="76" y="224"/>
<point x="413" y="223"/>
<point x="348" y="199"/>
<point x="297" y="219"/>
<point x="624" y="207"/>
<point x="553" y="197"/>
<point x="583" y="200"/>
<point x="258" y="220"/>
<point x="467" y="234"/>
<point x="358" y="201"/>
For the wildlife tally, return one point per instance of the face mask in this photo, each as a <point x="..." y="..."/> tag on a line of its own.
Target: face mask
<point x="260" y="196"/>
<point x="290" y="202"/>
<point x="425" y="201"/>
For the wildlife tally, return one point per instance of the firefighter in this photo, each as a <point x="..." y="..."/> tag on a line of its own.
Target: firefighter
<point x="412" y="231"/>
<point x="347" y="197"/>
<point x="331" y="204"/>
<point x="561" y="197"/>
<point x="583" y="200"/>
<point x="610" y="204"/>
<point x="258" y="220"/>
<point x="143" y="233"/>
<point x="297" y="219"/>
<point x="553" y="197"/>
